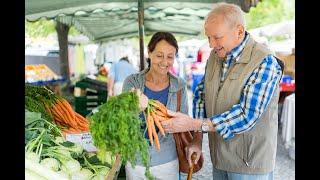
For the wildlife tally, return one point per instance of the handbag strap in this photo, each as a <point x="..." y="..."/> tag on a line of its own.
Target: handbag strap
<point x="178" y="100"/>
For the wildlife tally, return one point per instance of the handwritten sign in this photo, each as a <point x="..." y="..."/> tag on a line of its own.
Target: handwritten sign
<point x="84" y="139"/>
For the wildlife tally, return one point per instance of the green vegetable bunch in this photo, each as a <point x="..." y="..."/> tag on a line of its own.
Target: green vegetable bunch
<point x="46" y="149"/>
<point x="37" y="98"/>
<point x="116" y="127"/>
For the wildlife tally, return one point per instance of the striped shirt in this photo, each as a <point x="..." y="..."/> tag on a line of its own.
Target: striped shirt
<point x="254" y="99"/>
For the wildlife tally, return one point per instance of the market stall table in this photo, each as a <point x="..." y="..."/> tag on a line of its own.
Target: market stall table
<point x="288" y="121"/>
<point x="286" y="89"/>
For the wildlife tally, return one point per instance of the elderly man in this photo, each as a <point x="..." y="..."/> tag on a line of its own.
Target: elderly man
<point x="236" y="102"/>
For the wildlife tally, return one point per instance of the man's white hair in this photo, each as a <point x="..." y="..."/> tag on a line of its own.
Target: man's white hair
<point x="231" y="13"/>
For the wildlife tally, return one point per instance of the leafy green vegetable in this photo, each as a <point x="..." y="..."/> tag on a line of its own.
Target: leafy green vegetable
<point x="38" y="98"/>
<point x="35" y="125"/>
<point x="40" y="93"/>
<point x="116" y="127"/>
<point x="68" y="144"/>
<point x="36" y="106"/>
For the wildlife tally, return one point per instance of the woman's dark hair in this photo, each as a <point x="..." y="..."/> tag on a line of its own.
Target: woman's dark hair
<point x="159" y="36"/>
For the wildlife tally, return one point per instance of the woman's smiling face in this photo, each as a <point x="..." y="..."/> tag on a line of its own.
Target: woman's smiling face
<point x="162" y="57"/>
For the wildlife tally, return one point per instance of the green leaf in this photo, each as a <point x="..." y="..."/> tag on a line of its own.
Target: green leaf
<point x="67" y="144"/>
<point x="31" y="117"/>
<point x="94" y="160"/>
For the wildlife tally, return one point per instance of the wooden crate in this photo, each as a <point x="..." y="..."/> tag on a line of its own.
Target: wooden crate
<point x="113" y="173"/>
<point x="289" y="63"/>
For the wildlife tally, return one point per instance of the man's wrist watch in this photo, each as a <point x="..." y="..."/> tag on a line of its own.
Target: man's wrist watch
<point x="205" y="126"/>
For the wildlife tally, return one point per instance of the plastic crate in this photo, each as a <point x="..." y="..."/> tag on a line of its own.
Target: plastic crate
<point x="93" y="98"/>
<point x="85" y="104"/>
<point x="90" y="93"/>
<point x="91" y="84"/>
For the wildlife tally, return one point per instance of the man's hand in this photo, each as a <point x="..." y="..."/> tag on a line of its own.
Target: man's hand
<point x="194" y="147"/>
<point x="180" y="123"/>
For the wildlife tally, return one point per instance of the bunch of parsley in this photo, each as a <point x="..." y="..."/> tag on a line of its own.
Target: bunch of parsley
<point x="116" y="127"/>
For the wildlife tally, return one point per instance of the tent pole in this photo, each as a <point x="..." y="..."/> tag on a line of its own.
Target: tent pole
<point x="141" y="32"/>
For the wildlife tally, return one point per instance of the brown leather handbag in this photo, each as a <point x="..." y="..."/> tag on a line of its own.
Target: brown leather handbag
<point x="182" y="140"/>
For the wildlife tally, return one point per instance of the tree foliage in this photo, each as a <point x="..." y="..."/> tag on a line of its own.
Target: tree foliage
<point x="43" y="28"/>
<point x="269" y="12"/>
<point x="40" y="28"/>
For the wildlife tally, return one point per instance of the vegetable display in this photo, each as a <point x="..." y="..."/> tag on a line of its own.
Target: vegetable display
<point x="55" y="109"/>
<point x="115" y="128"/>
<point x="49" y="156"/>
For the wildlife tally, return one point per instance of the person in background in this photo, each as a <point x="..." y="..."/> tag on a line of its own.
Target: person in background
<point x="158" y="83"/>
<point x="119" y="71"/>
<point x="236" y="101"/>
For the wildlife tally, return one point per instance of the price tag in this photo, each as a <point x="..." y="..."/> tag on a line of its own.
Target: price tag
<point x="84" y="139"/>
<point x="87" y="142"/>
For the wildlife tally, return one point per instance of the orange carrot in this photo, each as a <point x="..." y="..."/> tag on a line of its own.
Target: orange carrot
<point x="81" y="119"/>
<point x="58" y="120"/>
<point x="159" y="113"/>
<point x="58" y="113"/>
<point x="149" y="126"/>
<point x="156" y="120"/>
<point x="68" y="107"/>
<point x="156" y="139"/>
<point x="68" y="113"/>
<point x="83" y="126"/>
<point x="160" y="106"/>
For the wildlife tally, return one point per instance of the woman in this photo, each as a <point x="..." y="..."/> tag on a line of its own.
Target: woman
<point x="156" y="82"/>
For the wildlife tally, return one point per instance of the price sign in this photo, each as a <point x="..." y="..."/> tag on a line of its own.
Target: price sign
<point x="84" y="139"/>
<point x="87" y="142"/>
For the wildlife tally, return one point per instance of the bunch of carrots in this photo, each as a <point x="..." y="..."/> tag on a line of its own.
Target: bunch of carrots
<point x="64" y="116"/>
<point x="156" y="112"/>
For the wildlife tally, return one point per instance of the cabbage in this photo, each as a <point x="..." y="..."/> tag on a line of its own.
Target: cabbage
<point x="31" y="175"/>
<point x="72" y="166"/>
<point x="33" y="157"/>
<point x="63" y="174"/>
<point x="98" y="177"/>
<point x="51" y="163"/>
<point x="104" y="171"/>
<point x="64" y="169"/>
<point x="83" y="174"/>
<point x="42" y="171"/>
